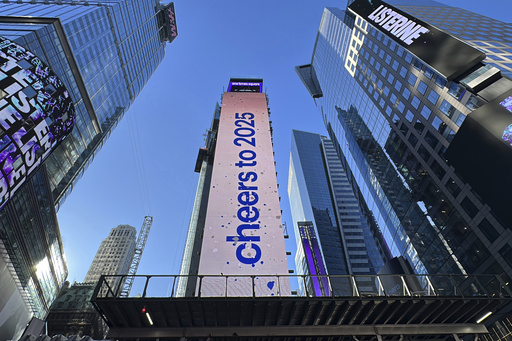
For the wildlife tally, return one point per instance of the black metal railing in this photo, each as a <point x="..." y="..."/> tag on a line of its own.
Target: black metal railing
<point x="145" y="286"/>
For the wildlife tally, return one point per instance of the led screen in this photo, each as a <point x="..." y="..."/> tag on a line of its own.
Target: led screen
<point x="243" y="232"/>
<point x="36" y="114"/>
<point x="446" y="54"/>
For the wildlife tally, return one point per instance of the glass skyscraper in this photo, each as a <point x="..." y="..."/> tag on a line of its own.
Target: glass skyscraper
<point x="412" y="119"/>
<point x="322" y="198"/>
<point x="104" y="52"/>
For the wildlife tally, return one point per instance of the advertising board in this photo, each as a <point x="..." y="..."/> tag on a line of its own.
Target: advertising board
<point x="243" y="232"/>
<point x="36" y="114"/>
<point x="446" y="54"/>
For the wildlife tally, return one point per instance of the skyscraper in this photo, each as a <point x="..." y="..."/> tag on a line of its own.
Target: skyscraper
<point x="115" y="254"/>
<point x="104" y="52"/>
<point x="236" y="226"/>
<point x="72" y="312"/>
<point x="421" y="120"/>
<point x="326" y="214"/>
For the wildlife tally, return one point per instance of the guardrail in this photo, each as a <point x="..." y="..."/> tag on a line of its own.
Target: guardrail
<point x="146" y="286"/>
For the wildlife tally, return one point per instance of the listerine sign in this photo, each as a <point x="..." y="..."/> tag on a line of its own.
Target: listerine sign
<point x="400" y="26"/>
<point x="447" y="55"/>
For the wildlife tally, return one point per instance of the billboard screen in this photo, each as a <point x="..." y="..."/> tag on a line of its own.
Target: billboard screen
<point x="446" y="54"/>
<point x="243" y="233"/>
<point x="36" y="114"/>
<point x="169" y="19"/>
<point x="481" y="152"/>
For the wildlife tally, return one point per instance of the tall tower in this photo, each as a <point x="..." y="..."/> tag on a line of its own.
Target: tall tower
<point x="236" y="226"/>
<point x="421" y="122"/>
<point x="115" y="254"/>
<point x="331" y="230"/>
<point x="103" y="52"/>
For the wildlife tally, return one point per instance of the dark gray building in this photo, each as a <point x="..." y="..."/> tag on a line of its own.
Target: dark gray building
<point x="416" y="98"/>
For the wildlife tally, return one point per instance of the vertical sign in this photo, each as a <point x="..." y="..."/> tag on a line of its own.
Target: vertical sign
<point x="243" y="232"/>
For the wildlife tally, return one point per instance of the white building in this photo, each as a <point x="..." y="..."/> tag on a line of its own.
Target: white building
<point x="115" y="254"/>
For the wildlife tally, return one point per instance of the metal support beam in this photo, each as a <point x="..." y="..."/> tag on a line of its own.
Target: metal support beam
<point x="292" y="331"/>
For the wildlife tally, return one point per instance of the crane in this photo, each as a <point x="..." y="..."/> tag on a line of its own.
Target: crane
<point x="139" y="248"/>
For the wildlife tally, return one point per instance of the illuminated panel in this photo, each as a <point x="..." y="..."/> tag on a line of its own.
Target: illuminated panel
<point x="245" y="86"/>
<point x="446" y="54"/>
<point x="36" y="114"/>
<point x="243" y="232"/>
<point x="314" y="260"/>
<point x="171" y="16"/>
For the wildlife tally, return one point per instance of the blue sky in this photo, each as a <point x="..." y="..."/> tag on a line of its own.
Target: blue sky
<point x="165" y="126"/>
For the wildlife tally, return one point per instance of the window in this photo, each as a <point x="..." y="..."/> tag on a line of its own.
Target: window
<point x="380" y="84"/>
<point x="417" y="64"/>
<point x="381" y="54"/>
<point x="408" y="57"/>
<point x="395" y="65"/>
<point x="456" y="90"/>
<point x="474" y="102"/>
<point x="446" y="108"/>
<point x="437" y="122"/>
<point x="415" y="102"/>
<point x="412" y="79"/>
<point x="401" y="107"/>
<point x="433" y="96"/>
<point x="388" y="110"/>
<point x="393" y="99"/>
<point x="440" y="81"/>
<point x="409" y="116"/>
<point x="384" y="72"/>
<point x="428" y="72"/>
<point x="400" y="51"/>
<point x="403" y="71"/>
<point x="391" y="78"/>
<point x="386" y="91"/>
<point x="460" y="120"/>
<point x="469" y="207"/>
<point x="377" y="66"/>
<point x="393" y="46"/>
<point x="388" y="59"/>
<point x="406" y="94"/>
<point x="422" y="87"/>
<point x="398" y="85"/>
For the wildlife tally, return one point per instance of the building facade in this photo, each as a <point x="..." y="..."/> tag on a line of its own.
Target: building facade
<point x="72" y="313"/>
<point x="104" y="53"/>
<point x="326" y="212"/>
<point x="115" y="254"/>
<point x="402" y="98"/>
<point x="236" y="226"/>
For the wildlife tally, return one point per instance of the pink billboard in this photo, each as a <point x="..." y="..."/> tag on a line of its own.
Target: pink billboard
<point x="243" y="232"/>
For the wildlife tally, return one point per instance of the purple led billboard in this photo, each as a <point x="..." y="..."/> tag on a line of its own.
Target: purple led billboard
<point x="36" y="114"/>
<point x="314" y="260"/>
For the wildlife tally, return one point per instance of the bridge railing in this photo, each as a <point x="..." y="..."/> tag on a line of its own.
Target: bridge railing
<point x="146" y="286"/>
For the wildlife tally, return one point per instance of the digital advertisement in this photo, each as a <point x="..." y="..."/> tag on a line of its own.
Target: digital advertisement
<point x="243" y="232"/>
